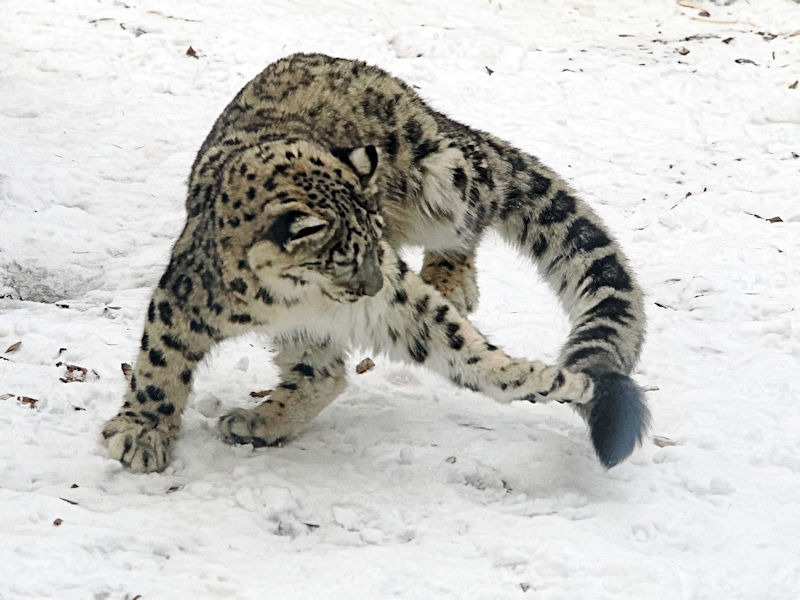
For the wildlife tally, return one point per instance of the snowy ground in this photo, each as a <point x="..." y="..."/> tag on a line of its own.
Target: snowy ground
<point x="681" y="127"/>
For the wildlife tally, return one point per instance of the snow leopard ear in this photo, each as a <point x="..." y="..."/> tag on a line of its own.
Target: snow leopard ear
<point x="292" y="228"/>
<point x="363" y="161"/>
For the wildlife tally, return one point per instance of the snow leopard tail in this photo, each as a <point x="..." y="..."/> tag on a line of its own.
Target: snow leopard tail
<point x="586" y="268"/>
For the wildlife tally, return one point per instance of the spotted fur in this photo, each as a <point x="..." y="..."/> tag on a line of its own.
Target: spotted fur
<point x="308" y="182"/>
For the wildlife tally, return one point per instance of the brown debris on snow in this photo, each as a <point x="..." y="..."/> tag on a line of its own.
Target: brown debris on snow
<point x="74" y="374"/>
<point x="365" y="365"/>
<point x="30" y="402"/>
<point x="663" y="442"/>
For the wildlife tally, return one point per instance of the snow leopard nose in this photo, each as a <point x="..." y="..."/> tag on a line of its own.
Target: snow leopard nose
<point x="368" y="280"/>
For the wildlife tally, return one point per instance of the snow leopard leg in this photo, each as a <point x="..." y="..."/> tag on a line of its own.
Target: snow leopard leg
<point x="454" y="276"/>
<point x="423" y="327"/>
<point x="173" y="343"/>
<point x="312" y="376"/>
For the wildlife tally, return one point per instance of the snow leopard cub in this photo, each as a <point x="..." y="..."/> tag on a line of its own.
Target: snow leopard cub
<point x="286" y="237"/>
<point x="310" y="179"/>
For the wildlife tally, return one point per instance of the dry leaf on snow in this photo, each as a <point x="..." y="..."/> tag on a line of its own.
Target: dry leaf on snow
<point x="365" y="365"/>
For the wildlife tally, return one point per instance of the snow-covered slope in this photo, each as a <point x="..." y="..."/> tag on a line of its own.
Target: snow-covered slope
<point x="681" y="127"/>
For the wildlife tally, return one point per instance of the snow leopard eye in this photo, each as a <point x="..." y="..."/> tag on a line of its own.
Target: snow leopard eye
<point x="294" y="227"/>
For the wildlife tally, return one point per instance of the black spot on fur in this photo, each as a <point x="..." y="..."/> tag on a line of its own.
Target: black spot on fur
<point x="585" y="236"/>
<point x="418" y="350"/>
<point x="390" y="143"/>
<point x="263" y="295"/>
<point x="421" y="305"/>
<point x="141" y="397"/>
<point x="166" y="409"/>
<point x="539" y="246"/>
<point x="606" y="272"/>
<point x="173" y="342"/>
<point x="455" y="340"/>
<point x="165" y="313"/>
<point x="523" y="236"/>
<point x="473" y="359"/>
<point x="539" y="184"/>
<point x="512" y="202"/>
<point x="186" y="376"/>
<point x="289" y="386"/>
<point x="182" y="287"/>
<point x="165" y="278"/>
<point x="238" y="285"/>
<point x="465" y="384"/>
<point x="460" y="181"/>
<point x="474" y="197"/>
<point x="152" y="417"/>
<point x="151" y="312"/>
<point x="595" y="355"/>
<point x="426" y="148"/>
<point x="400" y="297"/>
<point x="156" y="393"/>
<point x="402" y="269"/>
<point x="157" y="358"/>
<point x="193" y="356"/>
<point x="304" y="369"/>
<point x="241" y="318"/>
<point x="145" y="341"/>
<point x="612" y="308"/>
<point x="412" y="131"/>
<point x="561" y="207"/>
<point x="441" y="311"/>
<point x="198" y="326"/>
<point x="593" y="334"/>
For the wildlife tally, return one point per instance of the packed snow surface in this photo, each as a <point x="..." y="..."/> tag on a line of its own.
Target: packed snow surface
<point x="679" y="123"/>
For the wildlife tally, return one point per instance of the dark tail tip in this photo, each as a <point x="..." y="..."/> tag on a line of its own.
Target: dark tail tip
<point x="619" y="416"/>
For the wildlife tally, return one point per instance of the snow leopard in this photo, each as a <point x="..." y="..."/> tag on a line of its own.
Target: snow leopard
<point x="309" y="182"/>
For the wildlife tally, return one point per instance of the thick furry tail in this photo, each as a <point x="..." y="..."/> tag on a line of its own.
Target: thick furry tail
<point x="617" y="416"/>
<point x="587" y="269"/>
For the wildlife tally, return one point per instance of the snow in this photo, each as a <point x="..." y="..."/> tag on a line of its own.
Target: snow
<point x="677" y="128"/>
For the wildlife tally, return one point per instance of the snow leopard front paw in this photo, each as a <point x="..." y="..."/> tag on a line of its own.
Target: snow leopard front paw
<point x="248" y="426"/>
<point x="539" y="382"/>
<point x="140" y="448"/>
